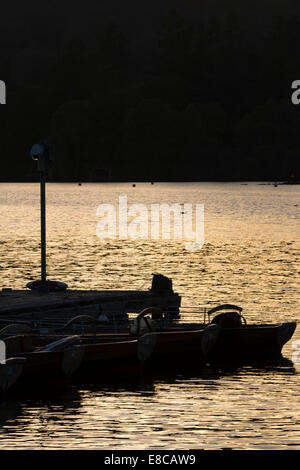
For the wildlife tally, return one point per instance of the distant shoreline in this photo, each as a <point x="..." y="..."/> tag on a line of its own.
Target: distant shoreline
<point x="78" y="181"/>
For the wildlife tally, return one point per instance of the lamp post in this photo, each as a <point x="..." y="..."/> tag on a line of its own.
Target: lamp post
<point x="40" y="153"/>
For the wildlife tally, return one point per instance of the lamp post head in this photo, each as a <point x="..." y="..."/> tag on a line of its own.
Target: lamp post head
<point x="40" y="153"/>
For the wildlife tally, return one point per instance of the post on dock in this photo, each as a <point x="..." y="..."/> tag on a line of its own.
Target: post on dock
<point x="43" y="225"/>
<point x="40" y="153"/>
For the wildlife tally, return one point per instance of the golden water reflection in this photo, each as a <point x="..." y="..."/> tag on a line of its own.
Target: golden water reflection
<point x="251" y="257"/>
<point x="242" y="409"/>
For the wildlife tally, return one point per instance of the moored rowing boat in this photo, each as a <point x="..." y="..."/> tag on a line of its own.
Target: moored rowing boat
<point x="43" y="368"/>
<point x="238" y="341"/>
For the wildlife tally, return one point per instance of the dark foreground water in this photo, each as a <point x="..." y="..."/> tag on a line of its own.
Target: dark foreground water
<point x="251" y="257"/>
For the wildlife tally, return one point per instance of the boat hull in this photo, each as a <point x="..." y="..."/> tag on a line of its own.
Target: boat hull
<point x="44" y="371"/>
<point x="258" y="343"/>
<point x="10" y="372"/>
<point x="181" y="349"/>
<point x="110" y="360"/>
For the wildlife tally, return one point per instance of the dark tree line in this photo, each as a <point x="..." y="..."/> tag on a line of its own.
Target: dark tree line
<point x="169" y="90"/>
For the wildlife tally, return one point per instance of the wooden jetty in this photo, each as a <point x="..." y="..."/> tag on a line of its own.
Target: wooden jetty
<point x="59" y="307"/>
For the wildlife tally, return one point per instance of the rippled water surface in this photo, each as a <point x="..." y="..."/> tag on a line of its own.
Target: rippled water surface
<point x="251" y="257"/>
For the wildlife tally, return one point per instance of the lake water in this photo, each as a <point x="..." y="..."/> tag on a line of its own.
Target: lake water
<point x="250" y="257"/>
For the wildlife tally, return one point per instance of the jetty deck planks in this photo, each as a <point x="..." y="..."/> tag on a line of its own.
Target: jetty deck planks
<point x="26" y="301"/>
